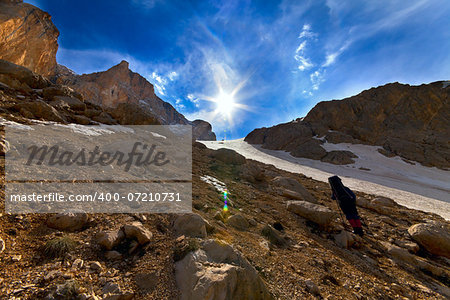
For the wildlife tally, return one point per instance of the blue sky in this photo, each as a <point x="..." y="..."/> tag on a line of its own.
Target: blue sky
<point x="279" y="57"/>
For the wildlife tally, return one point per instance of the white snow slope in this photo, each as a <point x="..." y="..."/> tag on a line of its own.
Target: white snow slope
<point x="414" y="186"/>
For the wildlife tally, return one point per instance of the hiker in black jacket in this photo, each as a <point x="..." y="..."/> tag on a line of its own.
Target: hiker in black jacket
<point x="347" y="202"/>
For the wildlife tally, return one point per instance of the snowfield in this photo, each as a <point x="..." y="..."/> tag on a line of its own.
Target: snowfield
<point x="411" y="185"/>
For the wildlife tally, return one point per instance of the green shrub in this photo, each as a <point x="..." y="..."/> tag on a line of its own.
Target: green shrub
<point x="58" y="247"/>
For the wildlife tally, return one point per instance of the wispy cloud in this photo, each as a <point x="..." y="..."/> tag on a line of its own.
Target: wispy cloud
<point x="146" y="4"/>
<point x="300" y="56"/>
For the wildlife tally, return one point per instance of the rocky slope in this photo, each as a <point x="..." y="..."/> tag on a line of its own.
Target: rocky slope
<point x="28" y="37"/>
<point x="280" y="239"/>
<point x="409" y="121"/>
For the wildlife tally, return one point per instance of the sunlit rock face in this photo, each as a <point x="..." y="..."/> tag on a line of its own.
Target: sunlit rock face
<point x="28" y="37"/>
<point x="408" y="121"/>
<point x="119" y="87"/>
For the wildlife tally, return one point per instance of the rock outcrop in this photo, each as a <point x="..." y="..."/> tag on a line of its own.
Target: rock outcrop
<point x="217" y="271"/>
<point x="130" y="98"/>
<point x="434" y="237"/>
<point x="28" y="37"/>
<point x="316" y="213"/>
<point x="202" y="130"/>
<point x="119" y="85"/>
<point x="408" y="121"/>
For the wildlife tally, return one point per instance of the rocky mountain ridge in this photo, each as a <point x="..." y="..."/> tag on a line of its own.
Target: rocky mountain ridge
<point x="30" y="40"/>
<point x="408" y="121"/>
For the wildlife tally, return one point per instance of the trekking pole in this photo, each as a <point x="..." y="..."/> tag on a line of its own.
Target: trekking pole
<point x="341" y="213"/>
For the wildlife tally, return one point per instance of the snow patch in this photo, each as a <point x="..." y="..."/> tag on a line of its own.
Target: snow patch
<point x="216" y="183"/>
<point x="445" y="84"/>
<point x="158" y="135"/>
<point x="414" y="186"/>
<point x="14" y="125"/>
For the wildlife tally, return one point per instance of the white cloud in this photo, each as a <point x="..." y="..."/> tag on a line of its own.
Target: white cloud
<point x="300" y="53"/>
<point x="301" y="47"/>
<point x="304" y="62"/>
<point x="179" y="105"/>
<point x="317" y="78"/>
<point x="193" y="99"/>
<point x="172" y="75"/>
<point x="307" y="32"/>
<point x="159" y="84"/>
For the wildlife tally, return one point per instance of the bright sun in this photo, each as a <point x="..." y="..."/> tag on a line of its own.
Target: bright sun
<point x="225" y="104"/>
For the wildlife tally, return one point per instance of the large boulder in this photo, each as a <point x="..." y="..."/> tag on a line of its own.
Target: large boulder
<point x="68" y="221"/>
<point x="28" y="37"/>
<point x="316" y="213"/>
<point x="433" y="237"/>
<point x="238" y="221"/>
<point x="218" y="271"/>
<point x="192" y="225"/>
<point x="292" y="189"/>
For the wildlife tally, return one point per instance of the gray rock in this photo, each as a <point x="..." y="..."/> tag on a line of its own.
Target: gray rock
<point x="312" y="287"/>
<point x="73" y="103"/>
<point x="2" y="245"/>
<point x="274" y="236"/>
<point x="316" y="213"/>
<point x="383" y="201"/>
<point x="238" y="221"/>
<point x="344" y="239"/>
<point x="95" y="266"/>
<point x="67" y="221"/>
<point x="110" y="239"/>
<point x="293" y="188"/>
<point x="191" y="225"/>
<point x="217" y="271"/>
<point x="137" y="231"/>
<point x="434" y="237"/>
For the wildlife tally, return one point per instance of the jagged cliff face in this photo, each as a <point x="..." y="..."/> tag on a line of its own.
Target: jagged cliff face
<point x="409" y="121"/>
<point x="28" y="37"/>
<point x="120" y="85"/>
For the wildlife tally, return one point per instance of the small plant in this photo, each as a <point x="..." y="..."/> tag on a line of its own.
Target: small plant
<point x="68" y="290"/>
<point x="183" y="248"/>
<point x="58" y="247"/>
